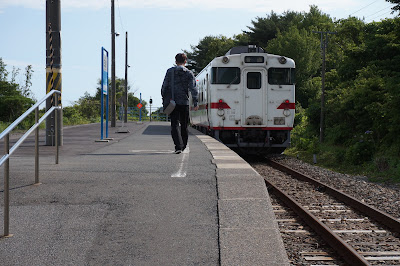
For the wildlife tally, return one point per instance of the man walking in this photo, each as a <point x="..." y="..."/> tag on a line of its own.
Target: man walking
<point x="184" y="82"/>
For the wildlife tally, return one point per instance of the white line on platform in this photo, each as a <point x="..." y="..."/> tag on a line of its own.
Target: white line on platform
<point x="183" y="165"/>
<point x="151" y="151"/>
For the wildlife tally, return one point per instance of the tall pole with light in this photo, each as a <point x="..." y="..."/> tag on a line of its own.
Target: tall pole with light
<point x="112" y="65"/>
<point x="126" y="79"/>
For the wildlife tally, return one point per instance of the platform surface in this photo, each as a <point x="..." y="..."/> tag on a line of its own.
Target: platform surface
<point x="132" y="201"/>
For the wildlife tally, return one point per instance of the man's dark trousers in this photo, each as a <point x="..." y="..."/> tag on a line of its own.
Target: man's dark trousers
<point x="180" y="115"/>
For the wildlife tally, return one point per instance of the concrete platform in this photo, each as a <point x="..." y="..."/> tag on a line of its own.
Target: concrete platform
<point x="131" y="201"/>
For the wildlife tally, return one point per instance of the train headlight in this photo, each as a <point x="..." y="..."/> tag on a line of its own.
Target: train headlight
<point x="286" y="112"/>
<point x="282" y="60"/>
<point x="225" y="60"/>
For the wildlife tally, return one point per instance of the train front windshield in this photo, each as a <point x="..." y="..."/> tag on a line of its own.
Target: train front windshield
<point x="225" y="75"/>
<point x="281" y="76"/>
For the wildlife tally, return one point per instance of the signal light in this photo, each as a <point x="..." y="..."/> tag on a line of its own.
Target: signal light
<point x="220" y="101"/>
<point x="287" y="101"/>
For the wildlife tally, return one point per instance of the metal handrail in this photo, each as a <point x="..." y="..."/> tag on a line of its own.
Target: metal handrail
<point x="28" y="112"/>
<point x="8" y="152"/>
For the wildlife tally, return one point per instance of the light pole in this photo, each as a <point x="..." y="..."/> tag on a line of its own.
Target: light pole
<point x="113" y="65"/>
<point x="126" y="79"/>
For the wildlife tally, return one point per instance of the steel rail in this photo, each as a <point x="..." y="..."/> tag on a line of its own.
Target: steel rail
<point x="380" y="216"/>
<point x="5" y="159"/>
<point x="26" y="135"/>
<point x="24" y="115"/>
<point x="349" y="254"/>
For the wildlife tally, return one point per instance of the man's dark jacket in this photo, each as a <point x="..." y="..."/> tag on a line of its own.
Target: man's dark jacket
<point x="184" y="81"/>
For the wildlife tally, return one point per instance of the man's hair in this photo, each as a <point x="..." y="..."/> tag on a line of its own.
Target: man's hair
<point x="180" y="58"/>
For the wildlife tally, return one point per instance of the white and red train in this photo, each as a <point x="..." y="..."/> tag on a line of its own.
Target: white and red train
<point x="247" y="100"/>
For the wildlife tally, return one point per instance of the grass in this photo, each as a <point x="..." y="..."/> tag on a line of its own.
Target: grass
<point x="381" y="168"/>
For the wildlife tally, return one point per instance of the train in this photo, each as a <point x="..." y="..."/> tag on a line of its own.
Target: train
<point x="247" y="100"/>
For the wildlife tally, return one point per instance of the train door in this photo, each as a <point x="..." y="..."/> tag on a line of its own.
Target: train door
<point x="254" y="97"/>
<point x="208" y="100"/>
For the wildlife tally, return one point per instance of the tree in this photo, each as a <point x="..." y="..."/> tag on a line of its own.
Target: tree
<point x="208" y="48"/>
<point x="3" y="70"/>
<point x="12" y="102"/>
<point x="303" y="47"/>
<point x="315" y="19"/>
<point x="396" y="8"/>
<point x="120" y="94"/>
<point x="263" y="29"/>
<point x="266" y="29"/>
<point x="364" y="93"/>
<point x="25" y="89"/>
<point x="88" y="107"/>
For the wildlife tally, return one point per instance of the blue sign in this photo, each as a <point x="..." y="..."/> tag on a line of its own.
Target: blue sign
<point x="104" y="89"/>
<point x="104" y="71"/>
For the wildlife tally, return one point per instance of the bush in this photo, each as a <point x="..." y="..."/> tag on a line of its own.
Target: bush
<point x="337" y="134"/>
<point x="359" y="152"/>
<point x="3" y="126"/>
<point x="71" y="116"/>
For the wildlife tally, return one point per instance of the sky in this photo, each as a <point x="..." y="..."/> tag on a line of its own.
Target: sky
<point x="157" y="31"/>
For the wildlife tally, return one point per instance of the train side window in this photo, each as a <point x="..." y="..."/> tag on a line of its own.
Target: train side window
<point x="225" y="75"/>
<point x="281" y="76"/>
<point x="253" y="80"/>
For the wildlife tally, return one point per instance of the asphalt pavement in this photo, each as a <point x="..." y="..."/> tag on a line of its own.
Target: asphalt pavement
<point x="132" y="201"/>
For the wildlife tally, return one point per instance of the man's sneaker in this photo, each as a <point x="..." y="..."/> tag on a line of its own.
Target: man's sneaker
<point x="177" y="151"/>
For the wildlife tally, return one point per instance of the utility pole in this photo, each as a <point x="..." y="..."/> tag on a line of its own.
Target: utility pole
<point x="126" y="79"/>
<point x="324" y="46"/>
<point x="112" y="66"/>
<point x="53" y="69"/>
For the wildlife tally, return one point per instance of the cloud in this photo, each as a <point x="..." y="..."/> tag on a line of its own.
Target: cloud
<point x="35" y="4"/>
<point x="249" y="5"/>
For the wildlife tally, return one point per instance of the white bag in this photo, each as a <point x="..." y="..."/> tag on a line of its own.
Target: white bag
<point x="170" y="107"/>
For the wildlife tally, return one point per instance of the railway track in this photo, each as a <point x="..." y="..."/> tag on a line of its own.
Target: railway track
<point x="357" y="234"/>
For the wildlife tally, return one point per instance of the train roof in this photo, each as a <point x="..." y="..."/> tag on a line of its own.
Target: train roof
<point x="245" y="49"/>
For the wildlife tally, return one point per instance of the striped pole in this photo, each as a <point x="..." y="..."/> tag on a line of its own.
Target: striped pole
<point x="50" y="76"/>
<point x="53" y="69"/>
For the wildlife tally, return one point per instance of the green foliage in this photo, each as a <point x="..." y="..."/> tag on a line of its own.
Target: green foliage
<point x="73" y="116"/>
<point x="3" y="126"/>
<point x="266" y="29"/>
<point x="88" y="107"/>
<point x="385" y="168"/>
<point x="3" y="71"/>
<point x="396" y="7"/>
<point x="303" y="47"/>
<point x="359" y="153"/>
<point x="14" y="101"/>
<point x="120" y="97"/>
<point x="208" y="48"/>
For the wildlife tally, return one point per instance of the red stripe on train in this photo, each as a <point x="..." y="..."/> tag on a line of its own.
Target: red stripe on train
<point x="287" y="106"/>
<point x="222" y="105"/>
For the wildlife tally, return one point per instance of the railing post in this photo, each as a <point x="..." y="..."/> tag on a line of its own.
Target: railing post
<point x="7" y="187"/>
<point x="56" y="126"/>
<point x="37" y="147"/>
